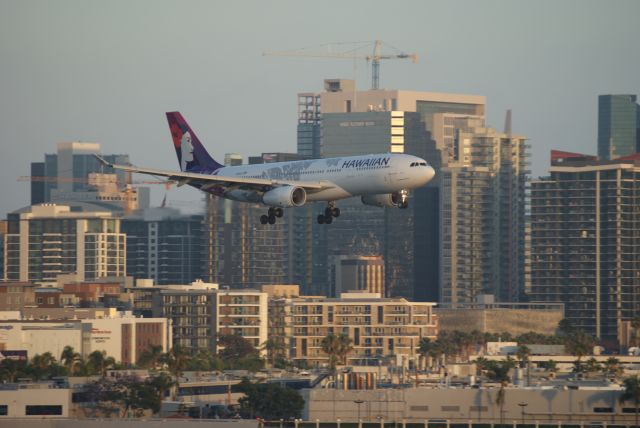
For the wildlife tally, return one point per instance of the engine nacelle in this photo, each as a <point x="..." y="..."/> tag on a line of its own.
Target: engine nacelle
<point x="391" y="200"/>
<point x="285" y="196"/>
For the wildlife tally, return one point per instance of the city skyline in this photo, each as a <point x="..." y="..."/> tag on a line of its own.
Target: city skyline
<point x="77" y="71"/>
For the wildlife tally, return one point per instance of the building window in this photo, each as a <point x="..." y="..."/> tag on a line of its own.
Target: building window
<point x="43" y="410"/>
<point x="4" y="410"/>
<point x="347" y="106"/>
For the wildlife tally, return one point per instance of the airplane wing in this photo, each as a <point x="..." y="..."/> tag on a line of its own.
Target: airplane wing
<point x="207" y="181"/>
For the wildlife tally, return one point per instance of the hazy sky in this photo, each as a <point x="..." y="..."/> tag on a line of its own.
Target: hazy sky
<point x="107" y="71"/>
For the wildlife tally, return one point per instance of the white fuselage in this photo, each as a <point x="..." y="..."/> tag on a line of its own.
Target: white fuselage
<point x="348" y="176"/>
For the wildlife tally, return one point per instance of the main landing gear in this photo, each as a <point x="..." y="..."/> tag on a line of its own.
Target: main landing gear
<point x="329" y="213"/>
<point x="271" y="216"/>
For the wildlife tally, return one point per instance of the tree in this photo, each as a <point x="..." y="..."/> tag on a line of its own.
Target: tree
<point x="550" y="366"/>
<point x="269" y="401"/>
<point x="43" y="365"/>
<point x="151" y="358"/>
<point x="337" y="348"/>
<point x="99" y="363"/>
<point x="176" y="360"/>
<point x="112" y="395"/>
<point x="565" y="327"/>
<point x="161" y="383"/>
<point x="592" y="366"/>
<point x="579" y="344"/>
<point x="239" y="353"/>
<point x="523" y="353"/>
<point x="612" y="367"/>
<point x="72" y="361"/>
<point x="498" y="371"/>
<point x="275" y="349"/>
<point x="631" y="393"/>
<point x="11" y="369"/>
<point x="430" y="350"/>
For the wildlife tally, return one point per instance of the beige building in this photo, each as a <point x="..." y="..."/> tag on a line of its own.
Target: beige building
<point x="377" y="326"/>
<point x="123" y="337"/>
<point x="499" y="318"/>
<point x="44" y="241"/>
<point x="200" y="312"/>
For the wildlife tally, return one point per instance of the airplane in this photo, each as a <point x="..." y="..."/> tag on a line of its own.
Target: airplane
<point x="381" y="180"/>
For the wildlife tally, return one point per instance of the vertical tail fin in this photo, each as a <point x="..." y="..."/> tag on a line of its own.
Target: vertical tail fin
<point x="192" y="156"/>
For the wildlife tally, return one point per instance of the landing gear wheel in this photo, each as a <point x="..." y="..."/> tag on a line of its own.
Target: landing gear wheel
<point x="328" y="220"/>
<point x="335" y="212"/>
<point x="320" y="219"/>
<point x="328" y="212"/>
<point x="278" y="212"/>
<point x="272" y="219"/>
<point x="264" y="219"/>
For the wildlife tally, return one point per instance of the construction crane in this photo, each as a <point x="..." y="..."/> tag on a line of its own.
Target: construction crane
<point x="375" y="57"/>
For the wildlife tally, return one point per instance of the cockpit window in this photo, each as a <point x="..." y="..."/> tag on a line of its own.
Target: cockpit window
<point x="423" y="163"/>
<point x="413" y="164"/>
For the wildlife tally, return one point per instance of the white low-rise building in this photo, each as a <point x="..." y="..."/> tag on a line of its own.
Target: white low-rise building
<point x="123" y="337"/>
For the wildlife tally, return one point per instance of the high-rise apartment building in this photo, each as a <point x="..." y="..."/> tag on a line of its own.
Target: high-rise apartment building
<point x="248" y="256"/>
<point x="482" y="192"/>
<point x="44" y="241"/>
<point x="241" y="252"/>
<point x="379" y="121"/>
<point x="618" y="126"/>
<point x="585" y="240"/>
<point x="165" y="245"/>
<point x="201" y="312"/>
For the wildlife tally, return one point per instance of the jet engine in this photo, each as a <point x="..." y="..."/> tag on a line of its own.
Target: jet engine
<point x="285" y="196"/>
<point x="391" y="200"/>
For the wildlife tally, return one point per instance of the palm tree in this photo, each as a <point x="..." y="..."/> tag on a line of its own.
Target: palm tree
<point x="631" y="393"/>
<point x="579" y="344"/>
<point x="176" y="360"/>
<point x="71" y="360"/>
<point x="10" y="369"/>
<point x="99" y="362"/>
<point x="612" y="366"/>
<point x="498" y="371"/>
<point x="523" y="354"/>
<point x="151" y="357"/>
<point x="275" y="349"/>
<point x="43" y="364"/>
<point x="337" y="348"/>
<point x="551" y="366"/>
<point x="592" y="366"/>
<point x="430" y="350"/>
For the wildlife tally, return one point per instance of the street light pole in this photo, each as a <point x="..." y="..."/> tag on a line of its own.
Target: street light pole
<point x="358" y="402"/>
<point x="522" y="406"/>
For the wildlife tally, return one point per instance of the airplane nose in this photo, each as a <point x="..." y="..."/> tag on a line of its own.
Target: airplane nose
<point x="428" y="174"/>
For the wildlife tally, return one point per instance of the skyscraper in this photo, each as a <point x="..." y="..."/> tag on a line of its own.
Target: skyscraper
<point x="378" y="121"/>
<point x="618" y="126"/>
<point x="584" y="240"/>
<point x="482" y="192"/>
<point x="165" y="245"/>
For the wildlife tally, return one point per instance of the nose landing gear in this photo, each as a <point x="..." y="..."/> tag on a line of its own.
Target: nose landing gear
<point x="271" y="216"/>
<point x="329" y="213"/>
<point x="403" y="199"/>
